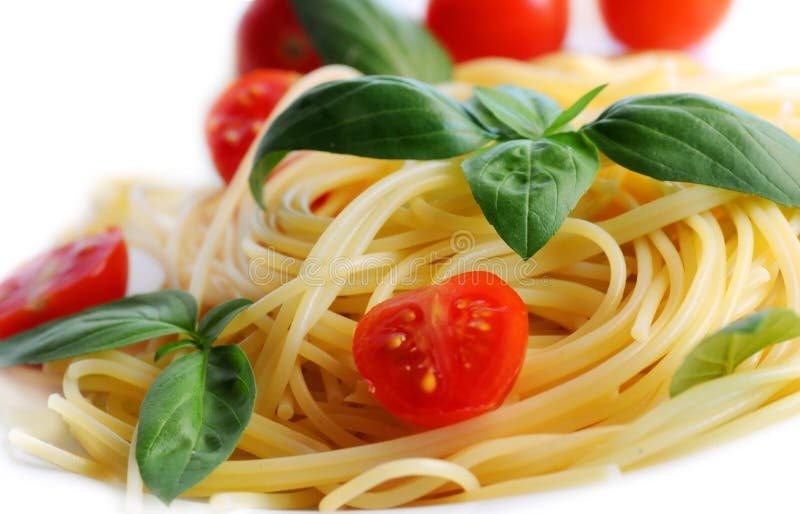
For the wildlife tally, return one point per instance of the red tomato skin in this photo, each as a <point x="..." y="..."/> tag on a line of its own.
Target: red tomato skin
<point x="270" y="36"/>
<point x="444" y="353"/>
<point x="238" y="114"/>
<point x="662" y="24"/>
<point x="518" y="29"/>
<point x="64" y="281"/>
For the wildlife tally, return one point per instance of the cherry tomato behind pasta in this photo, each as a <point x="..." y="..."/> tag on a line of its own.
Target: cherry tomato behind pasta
<point x="238" y="114"/>
<point x="270" y="37"/>
<point x="66" y="280"/>
<point x="662" y="24"/>
<point x="519" y="29"/>
<point x="444" y="353"/>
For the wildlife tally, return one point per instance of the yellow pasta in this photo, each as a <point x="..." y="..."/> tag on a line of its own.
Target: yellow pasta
<point x="639" y="273"/>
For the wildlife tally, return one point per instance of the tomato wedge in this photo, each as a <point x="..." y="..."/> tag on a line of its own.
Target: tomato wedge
<point x="66" y="280"/>
<point x="444" y="353"/>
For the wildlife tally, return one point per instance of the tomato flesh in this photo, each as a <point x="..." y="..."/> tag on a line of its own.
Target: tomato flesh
<point x="518" y="29"/>
<point x="444" y="353"/>
<point x="66" y="280"/>
<point x="238" y="114"/>
<point x="662" y="24"/>
<point x="270" y="36"/>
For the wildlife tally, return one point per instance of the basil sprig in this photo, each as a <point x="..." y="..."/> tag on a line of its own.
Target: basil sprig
<point x="365" y="35"/>
<point x="721" y="353"/>
<point x="192" y="418"/>
<point x="195" y="411"/>
<point x="528" y="184"/>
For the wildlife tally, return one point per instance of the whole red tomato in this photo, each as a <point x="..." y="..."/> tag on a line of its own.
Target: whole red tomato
<point x="270" y="37"/>
<point x="238" y="114"/>
<point x="519" y="29"/>
<point x="662" y="24"/>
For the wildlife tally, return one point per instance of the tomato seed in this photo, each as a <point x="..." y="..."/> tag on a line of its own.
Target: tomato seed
<point x="428" y="382"/>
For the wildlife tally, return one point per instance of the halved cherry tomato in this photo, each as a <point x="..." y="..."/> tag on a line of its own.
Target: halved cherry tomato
<point x="238" y="114"/>
<point x="663" y="24"/>
<point x="444" y="353"/>
<point x="270" y="37"/>
<point x="519" y="29"/>
<point x="66" y="280"/>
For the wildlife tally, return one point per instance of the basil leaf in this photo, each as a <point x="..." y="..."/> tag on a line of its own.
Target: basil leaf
<point x="527" y="188"/>
<point x="521" y="111"/>
<point x="379" y="116"/>
<point x="182" y="343"/>
<point x="192" y="417"/>
<point x="692" y="138"/>
<point x="575" y="109"/>
<point x="215" y="321"/>
<point x="487" y="120"/>
<point x="719" y="354"/>
<point x="372" y="39"/>
<point x="111" y="325"/>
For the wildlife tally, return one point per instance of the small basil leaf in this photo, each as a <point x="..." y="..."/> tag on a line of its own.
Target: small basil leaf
<point x="522" y="111"/>
<point x="183" y="343"/>
<point x="111" y="325"/>
<point x="575" y="109"/>
<point x="527" y="188"/>
<point x="692" y="138"/>
<point x="719" y="354"/>
<point x="379" y="116"/>
<point x="192" y="418"/>
<point x="372" y="39"/>
<point x="488" y="121"/>
<point x="215" y="321"/>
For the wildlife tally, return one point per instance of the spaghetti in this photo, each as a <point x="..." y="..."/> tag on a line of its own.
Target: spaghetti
<point x="639" y="273"/>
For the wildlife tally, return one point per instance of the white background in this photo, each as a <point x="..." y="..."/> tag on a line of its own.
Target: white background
<point x="92" y="89"/>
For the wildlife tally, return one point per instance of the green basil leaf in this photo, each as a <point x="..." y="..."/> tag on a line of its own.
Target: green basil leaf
<point x="527" y="188"/>
<point x="487" y="120"/>
<point x="192" y="417"/>
<point x="719" y="354"/>
<point x="575" y="109"/>
<point x="521" y="111"/>
<point x="379" y="116"/>
<point x="182" y="343"/>
<point x="215" y="321"/>
<point x="372" y="39"/>
<point x="111" y="325"/>
<point x="692" y="138"/>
